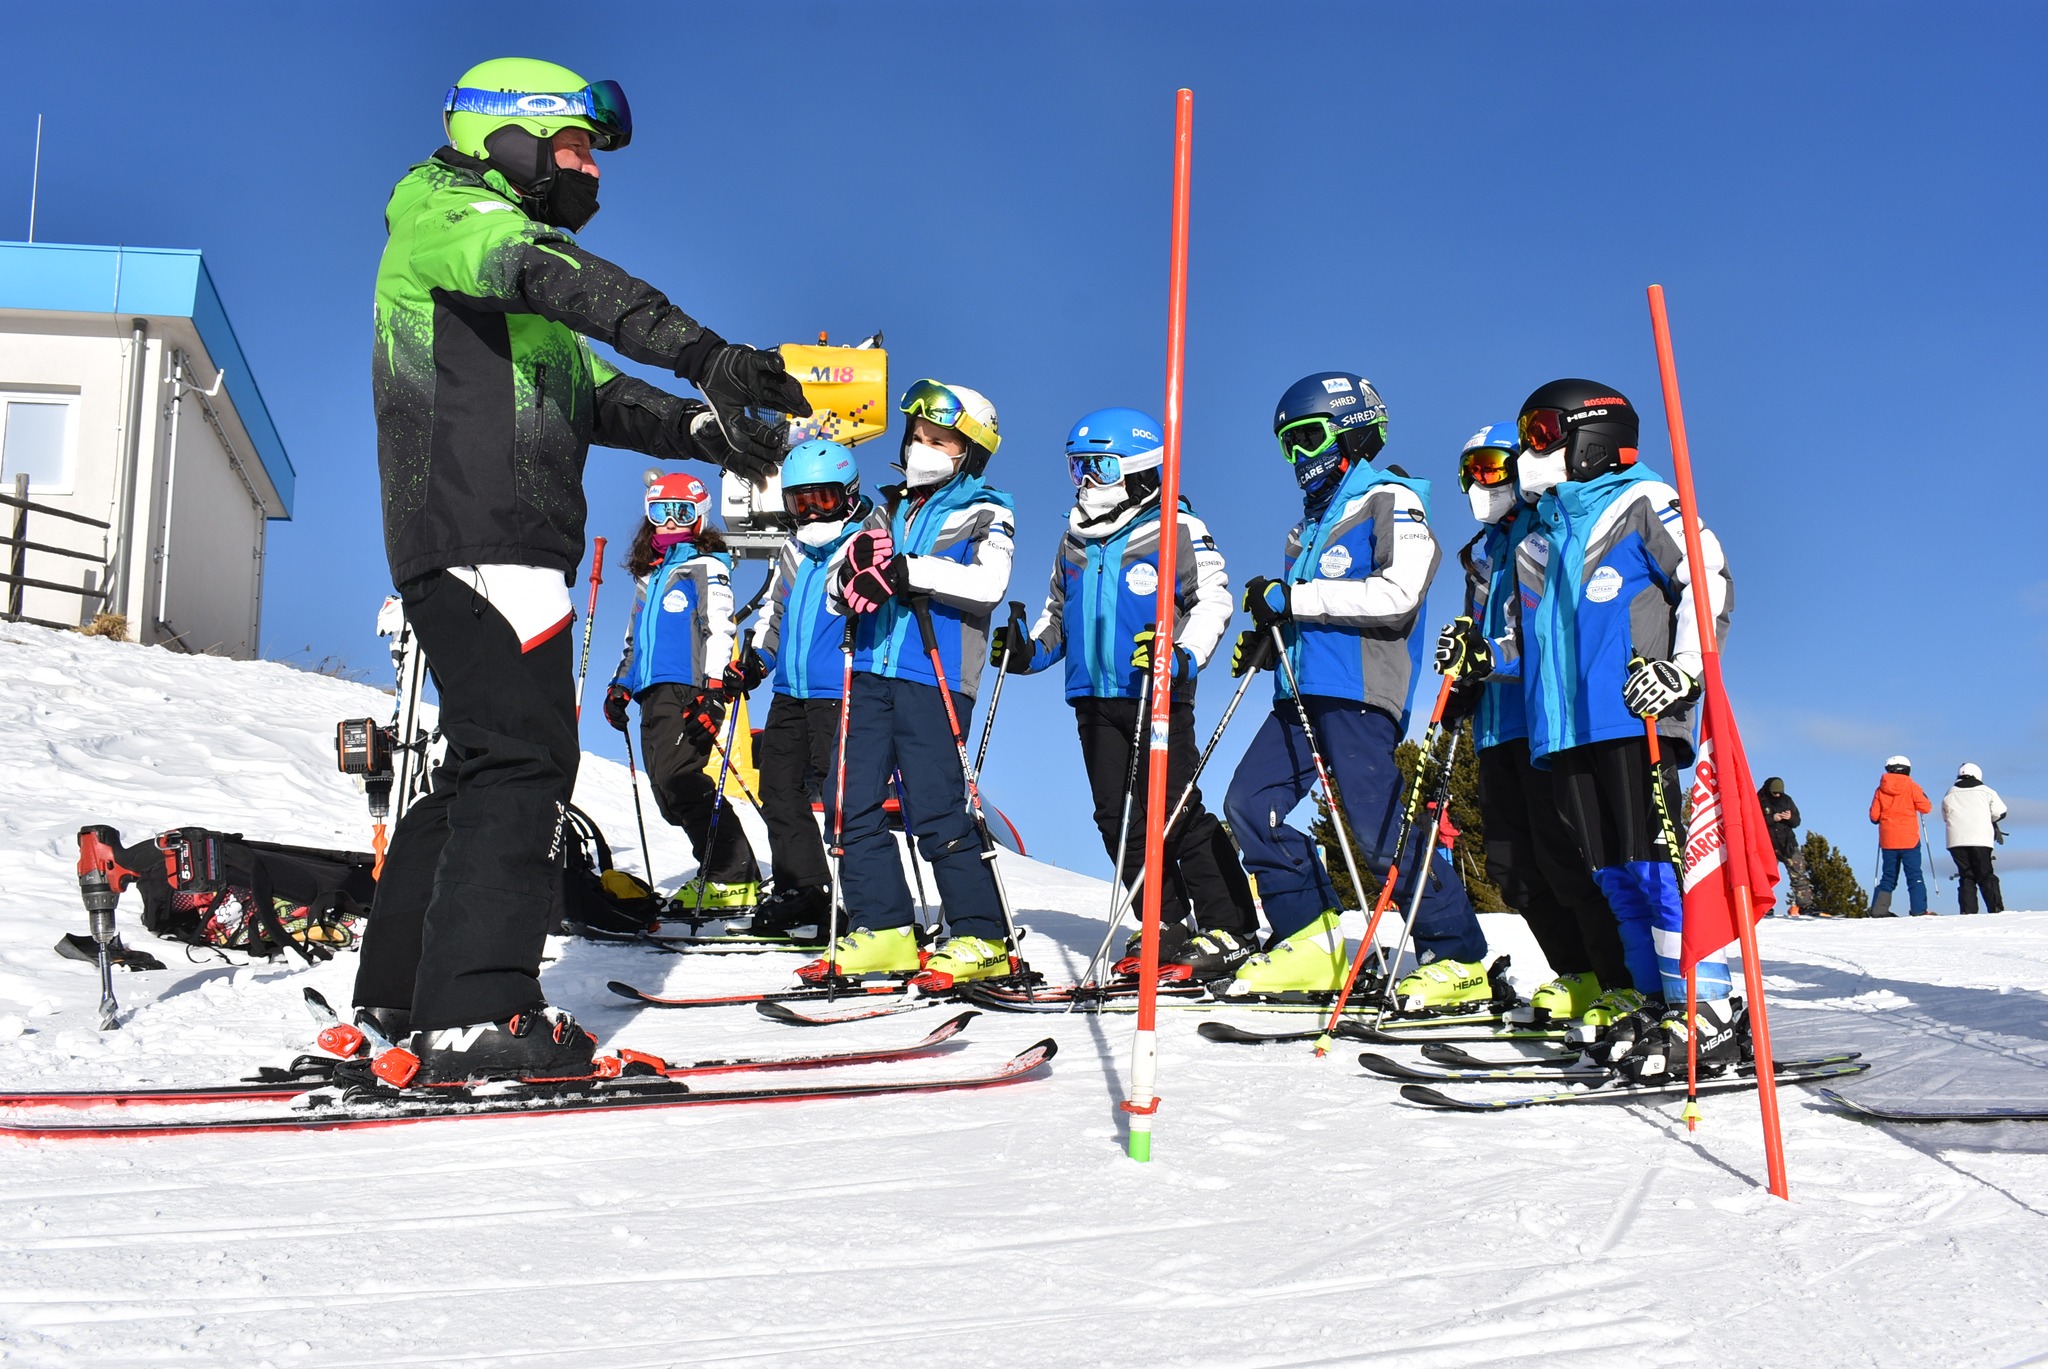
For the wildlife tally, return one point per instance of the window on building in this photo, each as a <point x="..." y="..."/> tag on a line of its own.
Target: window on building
<point x="36" y="440"/>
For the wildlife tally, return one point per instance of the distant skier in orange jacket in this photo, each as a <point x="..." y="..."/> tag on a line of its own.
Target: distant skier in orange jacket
<point x="1896" y="808"/>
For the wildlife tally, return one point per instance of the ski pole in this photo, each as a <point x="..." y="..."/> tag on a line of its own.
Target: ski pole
<point x="1439" y="802"/>
<point x="1122" y="909"/>
<point x="1123" y="826"/>
<point x="704" y="858"/>
<point x="1315" y="752"/>
<point x="639" y="817"/>
<point x="1655" y="746"/>
<point x="838" y="851"/>
<point x="910" y="845"/>
<point x="589" y="620"/>
<point x="921" y="608"/>
<point x="1409" y="812"/>
<point x="995" y="697"/>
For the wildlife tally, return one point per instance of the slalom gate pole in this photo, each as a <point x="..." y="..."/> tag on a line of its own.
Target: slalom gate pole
<point x="1120" y="907"/>
<point x="1409" y="812"/>
<point x="995" y="696"/>
<point x="1735" y="871"/>
<point x="1143" y="1102"/>
<point x="589" y="620"/>
<point x="732" y="727"/>
<point x="838" y="848"/>
<point x="1315" y="751"/>
<point x="921" y="609"/>
<point x="1440" y="803"/>
<point x="639" y="815"/>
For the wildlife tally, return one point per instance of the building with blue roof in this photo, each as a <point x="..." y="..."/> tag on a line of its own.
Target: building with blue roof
<point x="126" y="400"/>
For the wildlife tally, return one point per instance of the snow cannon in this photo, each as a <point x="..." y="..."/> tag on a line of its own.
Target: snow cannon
<point x="849" y="392"/>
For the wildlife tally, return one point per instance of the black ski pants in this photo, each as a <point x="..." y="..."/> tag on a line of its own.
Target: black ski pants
<point x="686" y="796"/>
<point x="473" y="877"/>
<point x="1974" y="871"/>
<point x="794" y="752"/>
<point x="1202" y="869"/>
<point x="1534" y="859"/>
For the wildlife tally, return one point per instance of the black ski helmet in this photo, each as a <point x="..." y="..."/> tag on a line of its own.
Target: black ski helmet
<point x="1594" y="423"/>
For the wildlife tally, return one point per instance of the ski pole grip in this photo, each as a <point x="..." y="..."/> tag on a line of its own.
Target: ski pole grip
<point x="597" y="561"/>
<point x="1017" y="616"/>
<point x="921" y="608"/>
<point x="846" y="638"/>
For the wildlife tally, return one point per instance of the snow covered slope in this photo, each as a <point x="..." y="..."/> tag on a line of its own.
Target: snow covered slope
<point x="1297" y="1212"/>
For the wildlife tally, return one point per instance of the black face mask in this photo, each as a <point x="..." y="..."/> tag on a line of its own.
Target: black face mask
<point x="568" y="199"/>
<point x="551" y="194"/>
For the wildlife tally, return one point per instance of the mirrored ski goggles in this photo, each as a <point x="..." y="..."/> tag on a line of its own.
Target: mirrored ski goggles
<point x="1095" y="468"/>
<point x="682" y="511"/>
<point x="1486" y="467"/>
<point x="1541" y="429"/>
<point x="817" y="503"/>
<point x="602" y="103"/>
<point x="930" y="400"/>
<point x="1307" y="438"/>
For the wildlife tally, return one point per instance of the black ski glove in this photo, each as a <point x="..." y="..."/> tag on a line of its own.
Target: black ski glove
<point x="702" y="717"/>
<point x="736" y="379"/>
<point x="1267" y="600"/>
<point x="1010" y="650"/>
<point x="1254" y="651"/>
<point x="1464" y="701"/>
<point x="1462" y="652"/>
<point x="1655" y="688"/>
<point x="746" y="671"/>
<point x="615" y="700"/>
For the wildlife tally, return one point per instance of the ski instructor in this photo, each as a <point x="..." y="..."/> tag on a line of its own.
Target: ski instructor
<point x="488" y="397"/>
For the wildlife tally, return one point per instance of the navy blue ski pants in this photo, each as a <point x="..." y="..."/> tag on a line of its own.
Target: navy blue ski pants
<point x="901" y="725"/>
<point x="1278" y="772"/>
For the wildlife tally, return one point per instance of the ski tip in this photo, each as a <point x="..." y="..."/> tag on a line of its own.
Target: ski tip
<point x="1432" y="1098"/>
<point x="779" y="1012"/>
<point x="950" y="1028"/>
<point x="1032" y="1057"/>
<point x="623" y="990"/>
<point x="317" y="999"/>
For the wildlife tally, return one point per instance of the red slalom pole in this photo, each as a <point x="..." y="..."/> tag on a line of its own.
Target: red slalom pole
<point x="1736" y="870"/>
<point x="1143" y="1101"/>
<point x="590" y="621"/>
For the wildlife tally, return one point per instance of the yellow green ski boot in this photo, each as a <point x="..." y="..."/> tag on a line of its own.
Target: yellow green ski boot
<point x="1563" y="999"/>
<point x="893" y="950"/>
<point x="714" y="897"/>
<point x="1612" y="1006"/>
<point x="1444" y="984"/>
<point x="962" y="959"/>
<point x="1310" y="961"/>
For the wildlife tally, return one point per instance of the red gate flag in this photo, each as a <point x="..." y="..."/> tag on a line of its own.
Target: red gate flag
<point x="1720" y="778"/>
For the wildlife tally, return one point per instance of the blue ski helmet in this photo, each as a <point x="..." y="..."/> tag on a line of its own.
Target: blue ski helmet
<point x="820" y="481"/>
<point x="1479" y="464"/>
<point x="1109" y="444"/>
<point x="1325" y="422"/>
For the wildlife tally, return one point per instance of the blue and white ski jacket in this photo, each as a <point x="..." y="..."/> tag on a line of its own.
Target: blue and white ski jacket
<point x="798" y="637"/>
<point x="1496" y="602"/>
<point x="1602" y="573"/>
<point x="963" y="538"/>
<point x="1105" y="591"/>
<point x="681" y="631"/>
<point x="1360" y="570"/>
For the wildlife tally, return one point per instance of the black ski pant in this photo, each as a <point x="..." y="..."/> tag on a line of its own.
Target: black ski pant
<point x="473" y="877"/>
<point x="686" y="796"/>
<point x="794" y="753"/>
<point x="1202" y="869"/>
<point x="1534" y="859"/>
<point x="1973" y="872"/>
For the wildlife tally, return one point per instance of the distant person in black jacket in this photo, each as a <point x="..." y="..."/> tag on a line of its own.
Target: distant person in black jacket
<point x="1781" y="815"/>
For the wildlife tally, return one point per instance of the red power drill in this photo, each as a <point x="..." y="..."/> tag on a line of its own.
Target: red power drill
<point x="101" y="878"/>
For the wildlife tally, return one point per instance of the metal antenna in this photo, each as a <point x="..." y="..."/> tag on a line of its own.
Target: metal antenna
<point x="35" y="179"/>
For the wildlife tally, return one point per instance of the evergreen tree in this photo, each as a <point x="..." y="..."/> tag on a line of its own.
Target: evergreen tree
<point x="1836" y="890"/>
<point x="1469" y="853"/>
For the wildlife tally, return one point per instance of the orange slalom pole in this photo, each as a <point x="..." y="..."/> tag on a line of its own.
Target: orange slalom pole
<point x="1386" y="898"/>
<point x="1737" y="869"/>
<point x="1143" y="1101"/>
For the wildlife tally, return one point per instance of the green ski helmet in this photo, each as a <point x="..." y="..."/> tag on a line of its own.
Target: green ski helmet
<point x="539" y="97"/>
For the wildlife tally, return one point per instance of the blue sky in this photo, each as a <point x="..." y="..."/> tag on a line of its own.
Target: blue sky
<point x="1459" y="201"/>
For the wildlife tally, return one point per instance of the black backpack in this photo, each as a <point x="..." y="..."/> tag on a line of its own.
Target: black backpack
<point x="598" y="899"/>
<point x="208" y="888"/>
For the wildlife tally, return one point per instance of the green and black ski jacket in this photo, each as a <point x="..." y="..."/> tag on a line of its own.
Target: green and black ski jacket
<point x="487" y="394"/>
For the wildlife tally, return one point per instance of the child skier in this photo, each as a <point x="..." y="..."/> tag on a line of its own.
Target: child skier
<point x="1358" y="568"/>
<point x="1896" y="809"/>
<point x="679" y="643"/>
<point x="1611" y="641"/>
<point x="941" y="542"/>
<point x="1099" y="619"/>
<point x="1531" y="854"/>
<point x="799" y="639"/>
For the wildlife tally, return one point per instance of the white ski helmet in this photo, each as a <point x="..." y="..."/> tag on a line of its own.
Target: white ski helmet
<point x="1898" y="765"/>
<point x="1970" y="772"/>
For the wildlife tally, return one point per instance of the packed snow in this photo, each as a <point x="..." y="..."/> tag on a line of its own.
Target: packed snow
<point x="1297" y="1211"/>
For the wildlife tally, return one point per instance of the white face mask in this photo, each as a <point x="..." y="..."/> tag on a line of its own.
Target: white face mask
<point x="923" y="465"/>
<point x="1539" y="475"/>
<point x="1491" y="504"/>
<point x="819" y="534"/>
<point x="1096" y="501"/>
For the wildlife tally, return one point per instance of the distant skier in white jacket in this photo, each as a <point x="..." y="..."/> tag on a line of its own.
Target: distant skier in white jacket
<point x="1972" y="810"/>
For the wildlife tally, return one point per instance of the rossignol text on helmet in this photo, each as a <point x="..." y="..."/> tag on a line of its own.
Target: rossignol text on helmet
<point x="1593" y="424"/>
<point x="820" y="482"/>
<point x="1327" y="421"/>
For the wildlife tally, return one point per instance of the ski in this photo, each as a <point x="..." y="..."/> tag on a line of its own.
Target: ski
<point x="692" y="943"/>
<point x="1391" y="1031"/>
<point x="894" y="988"/>
<point x="1455" y="1057"/>
<point x="1451" y="1032"/>
<point x="2035" y="1112"/>
<point x="791" y="1017"/>
<point x="1389" y="1068"/>
<point x="355" y="1110"/>
<point x="1619" y="1093"/>
<point x="276" y="1088"/>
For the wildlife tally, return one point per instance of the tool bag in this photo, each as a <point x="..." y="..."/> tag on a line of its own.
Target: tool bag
<point x="208" y="888"/>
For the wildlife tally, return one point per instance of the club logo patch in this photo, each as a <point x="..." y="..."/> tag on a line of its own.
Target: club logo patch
<point x="1336" y="385"/>
<point x="1537" y="548"/>
<point x="1335" y="563"/>
<point x="675" y="601"/>
<point x="1142" y="579"/>
<point x="1605" y="584"/>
